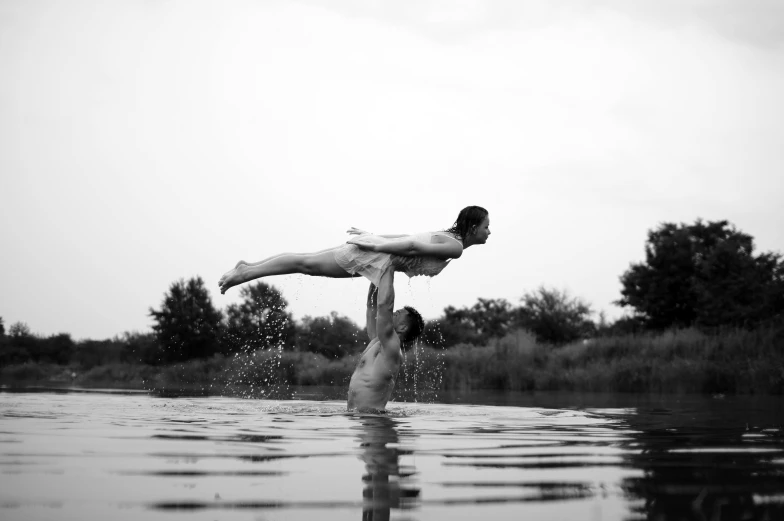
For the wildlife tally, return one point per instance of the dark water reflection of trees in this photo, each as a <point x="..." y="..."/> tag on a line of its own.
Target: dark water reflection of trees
<point x="714" y="459"/>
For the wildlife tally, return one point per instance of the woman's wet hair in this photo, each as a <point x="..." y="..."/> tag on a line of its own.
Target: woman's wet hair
<point x="468" y="218"/>
<point x="416" y="324"/>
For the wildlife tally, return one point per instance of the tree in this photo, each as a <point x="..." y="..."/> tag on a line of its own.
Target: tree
<point x="554" y="316"/>
<point x="333" y="336"/>
<point x="259" y="322"/>
<point x="735" y="287"/>
<point x="19" y="330"/>
<point x="94" y="353"/>
<point x="2" y="327"/>
<point x="492" y="318"/>
<point x="18" y="346"/>
<point x="446" y="332"/>
<point x="56" y="349"/>
<point x="486" y="319"/>
<point x="141" y="348"/>
<point x="187" y="325"/>
<point x="703" y="274"/>
<point x="454" y="327"/>
<point x="22" y="346"/>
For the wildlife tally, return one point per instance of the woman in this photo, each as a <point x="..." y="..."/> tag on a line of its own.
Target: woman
<point x="368" y="255"/>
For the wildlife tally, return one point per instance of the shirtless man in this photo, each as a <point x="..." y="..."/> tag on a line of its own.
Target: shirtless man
<point x="374" y="378"/>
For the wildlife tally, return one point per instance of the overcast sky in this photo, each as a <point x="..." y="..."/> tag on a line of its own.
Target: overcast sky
<point x="144" y="141"/>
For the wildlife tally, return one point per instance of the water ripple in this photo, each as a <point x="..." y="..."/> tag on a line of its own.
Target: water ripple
<point x="130" y="454"/>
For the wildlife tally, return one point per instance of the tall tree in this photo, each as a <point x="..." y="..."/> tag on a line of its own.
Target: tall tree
<point x="20" y="330"/>
<point x="141" y="347"/>
<point x="703" y="274"/>
<point x="187" y="325"/>
<point x="333" y="336"/>
<point x="261" y="321"/>
<point x="446" y="332"/>
<point x="492" y="317"/>
<point x="19" y="346"/>
<point x="554" y="316"/>
<point x="56" y="349"/>
<point x="486" y="319"/>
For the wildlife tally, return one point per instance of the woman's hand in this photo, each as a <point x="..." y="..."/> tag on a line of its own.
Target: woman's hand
<point x="363" y="243"/>
<point x="355" y="231"/>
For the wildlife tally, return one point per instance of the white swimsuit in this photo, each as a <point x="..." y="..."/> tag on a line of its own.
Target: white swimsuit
<point x="371" y="264"/>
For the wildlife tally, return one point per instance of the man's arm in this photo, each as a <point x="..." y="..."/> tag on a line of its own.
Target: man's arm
<point x="390" y="342"/>
<point x="372" y="311"/>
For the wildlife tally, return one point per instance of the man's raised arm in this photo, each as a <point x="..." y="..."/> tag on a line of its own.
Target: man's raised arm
<point x="372" y="311"/>
<point x="386" y="303"/>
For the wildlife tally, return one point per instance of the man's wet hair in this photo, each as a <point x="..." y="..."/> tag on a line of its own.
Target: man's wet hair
<point x="416" y="326"/>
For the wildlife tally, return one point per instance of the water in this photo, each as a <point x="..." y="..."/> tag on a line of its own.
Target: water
<point x="113" y="455"/>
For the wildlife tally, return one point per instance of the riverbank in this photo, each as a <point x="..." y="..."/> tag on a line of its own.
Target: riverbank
<point x="733" y="361"/>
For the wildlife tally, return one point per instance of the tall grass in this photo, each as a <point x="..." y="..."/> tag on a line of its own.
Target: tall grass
<point x="677" y="361"/>
<point x="732" y="361"/>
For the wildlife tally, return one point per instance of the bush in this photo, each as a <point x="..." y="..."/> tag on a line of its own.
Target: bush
<point x="681" y="360"/>
<point x="27" y="371"/>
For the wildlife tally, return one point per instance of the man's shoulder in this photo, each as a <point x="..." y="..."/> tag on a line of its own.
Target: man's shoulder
<point x="370" y="345"/>
<point x="391" y="340"/>
<point x="392" y="349"/>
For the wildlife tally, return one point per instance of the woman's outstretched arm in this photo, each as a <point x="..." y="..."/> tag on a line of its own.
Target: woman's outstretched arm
<point x="357" y="231"/>
<point x="445" y="249"/>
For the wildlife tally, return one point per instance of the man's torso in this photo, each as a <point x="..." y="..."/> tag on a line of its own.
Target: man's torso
<point x="373" y="379"/>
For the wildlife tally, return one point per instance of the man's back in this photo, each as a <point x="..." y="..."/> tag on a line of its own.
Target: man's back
<point x="374" y="378"/>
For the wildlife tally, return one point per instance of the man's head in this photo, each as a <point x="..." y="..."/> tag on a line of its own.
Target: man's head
<point x="408" y="324"/>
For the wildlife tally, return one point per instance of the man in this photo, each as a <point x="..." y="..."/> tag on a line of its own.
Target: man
<point x="374" y="377"/>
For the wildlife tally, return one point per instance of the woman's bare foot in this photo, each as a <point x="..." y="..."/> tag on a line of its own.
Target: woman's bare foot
<point x="233" y="277"/>
<point x="228" y="273"/>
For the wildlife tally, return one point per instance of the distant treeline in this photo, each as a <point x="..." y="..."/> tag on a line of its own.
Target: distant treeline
<point x="706" y="314"/>
<point x="677" y="361"/>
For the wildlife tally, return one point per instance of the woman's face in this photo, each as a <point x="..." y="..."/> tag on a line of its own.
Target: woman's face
<point x="482" y="231"/>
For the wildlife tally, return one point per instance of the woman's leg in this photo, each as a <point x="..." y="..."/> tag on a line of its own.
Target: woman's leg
<point x="276" y="256"/>
<point x="321" y="264"/>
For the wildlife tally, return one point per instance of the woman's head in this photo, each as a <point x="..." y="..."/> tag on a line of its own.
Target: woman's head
<point x="472" y="221"/>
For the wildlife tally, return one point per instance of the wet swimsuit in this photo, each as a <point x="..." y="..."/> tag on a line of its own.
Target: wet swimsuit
<point x="371" y="264"/>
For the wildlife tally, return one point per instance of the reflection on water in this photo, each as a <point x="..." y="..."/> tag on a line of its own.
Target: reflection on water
<point x="125" y="456"/>
<point x="387" y="485"/>
<point x="723" y="460"/>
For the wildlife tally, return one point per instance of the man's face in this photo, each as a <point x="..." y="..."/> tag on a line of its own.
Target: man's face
<point x="400" y="318"/>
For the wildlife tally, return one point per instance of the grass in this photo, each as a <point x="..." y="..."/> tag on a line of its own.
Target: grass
<point x="677" y="361"/>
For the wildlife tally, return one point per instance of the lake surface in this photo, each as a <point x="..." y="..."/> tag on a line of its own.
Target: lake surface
<point x="125" y="455"/>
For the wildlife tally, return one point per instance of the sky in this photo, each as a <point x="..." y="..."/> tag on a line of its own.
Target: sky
<point x="143" y="142"/>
